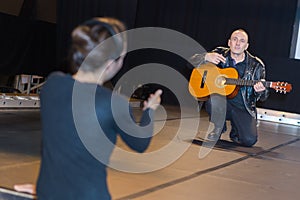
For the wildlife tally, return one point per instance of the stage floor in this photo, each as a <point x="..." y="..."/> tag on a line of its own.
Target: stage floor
<point x="269" y="171"/>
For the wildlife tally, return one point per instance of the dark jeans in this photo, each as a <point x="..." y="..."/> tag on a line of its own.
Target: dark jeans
<point x="244" y="130"/>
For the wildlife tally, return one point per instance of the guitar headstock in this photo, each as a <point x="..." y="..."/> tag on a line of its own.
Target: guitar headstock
<point x="281" y="87"/>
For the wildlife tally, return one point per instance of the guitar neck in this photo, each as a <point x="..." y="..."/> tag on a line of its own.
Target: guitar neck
<point x="242" y="82"/>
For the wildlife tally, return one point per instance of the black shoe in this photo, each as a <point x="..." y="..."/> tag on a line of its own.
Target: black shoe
<point x="235" y="139"/>
<point x="214" y="135"/>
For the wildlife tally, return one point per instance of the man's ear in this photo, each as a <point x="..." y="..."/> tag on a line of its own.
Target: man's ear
<point x="228" y="43"/>
<point x="247" y="46"/>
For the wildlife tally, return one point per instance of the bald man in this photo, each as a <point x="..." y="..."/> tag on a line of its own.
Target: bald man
<point x="241" y="109"/>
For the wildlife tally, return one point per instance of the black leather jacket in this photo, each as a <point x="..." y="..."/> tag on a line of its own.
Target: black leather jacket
<point x="255" y="70"/>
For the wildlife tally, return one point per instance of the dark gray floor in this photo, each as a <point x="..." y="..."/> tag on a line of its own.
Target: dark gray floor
<point x="269" y="170"/>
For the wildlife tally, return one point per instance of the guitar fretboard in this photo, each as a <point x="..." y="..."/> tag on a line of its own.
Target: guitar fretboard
<point x="242" y="82"/>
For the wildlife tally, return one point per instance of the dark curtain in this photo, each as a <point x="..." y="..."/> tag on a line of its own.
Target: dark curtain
<point x="269" y="24"/>
<point x="27" y="44"/>
<point x="70" y="13"/>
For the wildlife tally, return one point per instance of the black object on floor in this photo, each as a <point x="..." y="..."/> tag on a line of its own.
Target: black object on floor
<point x="230" y="146"/>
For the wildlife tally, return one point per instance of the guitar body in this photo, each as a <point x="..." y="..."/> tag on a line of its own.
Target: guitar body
<point x="210" y="79"/>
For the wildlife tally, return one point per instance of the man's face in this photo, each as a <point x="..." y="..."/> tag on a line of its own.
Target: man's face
<point x="238" y="42"/>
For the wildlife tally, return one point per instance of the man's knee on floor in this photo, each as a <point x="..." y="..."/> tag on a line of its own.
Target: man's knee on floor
<point x="248" y="141"/>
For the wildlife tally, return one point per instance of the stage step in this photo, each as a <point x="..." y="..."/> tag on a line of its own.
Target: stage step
<point x="278" y="116"/>
<point x="19" y="101"/>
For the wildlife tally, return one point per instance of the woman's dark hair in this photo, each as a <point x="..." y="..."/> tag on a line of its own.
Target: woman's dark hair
<point x="87" y="36"/>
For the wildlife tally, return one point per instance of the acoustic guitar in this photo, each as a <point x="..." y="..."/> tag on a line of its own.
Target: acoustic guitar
<point x="209" y="79"/>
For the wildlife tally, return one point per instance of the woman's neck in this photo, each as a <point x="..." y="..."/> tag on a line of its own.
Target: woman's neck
<point x="88" y="77"/>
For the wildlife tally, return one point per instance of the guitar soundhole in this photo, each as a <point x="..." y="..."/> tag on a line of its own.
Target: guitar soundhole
<point x="220" y="81"/>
